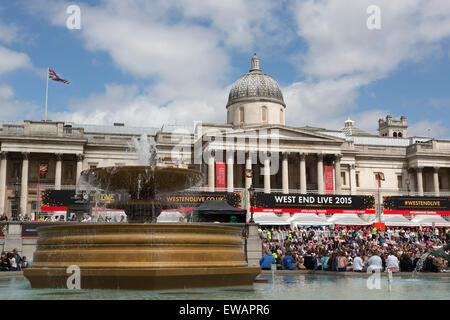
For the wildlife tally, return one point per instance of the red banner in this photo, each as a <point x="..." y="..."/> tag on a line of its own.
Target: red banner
<point x="329" y="188"/>
<point x="220" y="176"/>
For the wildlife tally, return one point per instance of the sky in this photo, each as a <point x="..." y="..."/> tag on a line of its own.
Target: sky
<point x="154" y="62"/>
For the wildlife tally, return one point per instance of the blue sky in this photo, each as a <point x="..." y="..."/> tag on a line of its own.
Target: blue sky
<point x="148" y="63"/>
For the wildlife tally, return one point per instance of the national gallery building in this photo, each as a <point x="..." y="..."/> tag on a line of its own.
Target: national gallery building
<point x="253" y="148"/>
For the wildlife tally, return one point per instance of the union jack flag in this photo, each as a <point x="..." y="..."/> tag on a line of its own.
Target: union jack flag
<point x="53" y="76"/>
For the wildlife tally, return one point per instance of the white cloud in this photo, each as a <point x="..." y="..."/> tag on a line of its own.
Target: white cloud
<point x="11" y="60"/>
<point x="120" y="103"/>
<point x="343" y="55"/>
<point x="12" y="108"/>
<point x="427" y="128"/>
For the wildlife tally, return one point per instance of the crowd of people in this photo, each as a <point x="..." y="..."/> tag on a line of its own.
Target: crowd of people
<point x="355" y="249"/>
<point x="12" y="261"/>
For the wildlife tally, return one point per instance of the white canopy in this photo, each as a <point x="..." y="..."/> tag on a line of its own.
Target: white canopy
<point x="308" y="219"/>
<point x="348" y="219"/>
<point x="427" y="221"/>
<point x="169" y="216"/>
<point x="397" y="220"/>
<point x="268" y="219"/>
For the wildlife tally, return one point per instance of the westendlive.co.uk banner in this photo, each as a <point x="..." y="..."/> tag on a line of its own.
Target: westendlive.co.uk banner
<point x="416" y="205"/>
<point x="314" y="203"/>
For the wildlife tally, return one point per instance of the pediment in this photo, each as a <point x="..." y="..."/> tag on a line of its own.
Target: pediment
<point x="284" y="133"/>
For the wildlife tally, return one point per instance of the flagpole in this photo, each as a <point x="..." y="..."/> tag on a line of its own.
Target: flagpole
<point x="46" y="96"/>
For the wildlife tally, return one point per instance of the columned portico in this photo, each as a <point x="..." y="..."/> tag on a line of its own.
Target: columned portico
<point x="58" y="171"/>
<point x="436" y="181"/>
<point x="303" y="187"/>
<point x="320" y="182"/>
<point x="337" y="172"/>
<point x="24" y="184"/>
<point x="4" y="163"/>
<point x="285" y="173"/>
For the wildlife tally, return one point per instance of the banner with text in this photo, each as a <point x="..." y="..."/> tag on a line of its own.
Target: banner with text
<point x="220" y="176"/>
<point x="314" y="203"/>
<point x="416" y="205"/>
<point x="329" y="180"/>
<point x="196" y="198"/>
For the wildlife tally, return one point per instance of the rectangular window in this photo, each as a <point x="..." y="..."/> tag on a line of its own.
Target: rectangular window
<point x="357" y="179"/>
<point x="399" y="182"/>
<point x="343" y="179"/>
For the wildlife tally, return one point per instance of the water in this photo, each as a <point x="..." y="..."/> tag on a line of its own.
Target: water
<point x="145" y="149"/>
<point x="280" y="287"/>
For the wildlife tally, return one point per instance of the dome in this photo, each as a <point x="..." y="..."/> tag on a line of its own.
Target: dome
<point x="255" y="85"/>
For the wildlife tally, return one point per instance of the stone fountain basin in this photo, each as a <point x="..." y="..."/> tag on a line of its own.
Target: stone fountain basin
<point x="142" y="182"/>
<point x="141" y="256"/>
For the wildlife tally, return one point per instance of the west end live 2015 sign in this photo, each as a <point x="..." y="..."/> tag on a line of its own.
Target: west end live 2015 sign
<point x="314" y="203"/>
<point x="416" y="205"/>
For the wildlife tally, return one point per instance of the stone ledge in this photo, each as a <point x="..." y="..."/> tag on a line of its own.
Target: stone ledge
<point x="358" y="274"/>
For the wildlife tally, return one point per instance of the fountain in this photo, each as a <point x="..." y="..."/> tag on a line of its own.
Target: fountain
<point x="141" y="255"/>
<point x="438" y="252"/>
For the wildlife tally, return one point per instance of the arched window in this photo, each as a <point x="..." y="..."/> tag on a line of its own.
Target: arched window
<point x="241" y="115"/>
<point x="264" y="114"/>
<point x="400" y="135"/>
<point x="395" y="134"/>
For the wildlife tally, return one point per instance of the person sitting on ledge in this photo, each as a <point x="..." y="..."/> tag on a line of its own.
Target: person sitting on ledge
<point x="289" y="263"/>
<point x="392" y="263"/>
<point x="342" y="262"/>
<point x="267" y="260"/>
<point x="4" y="262"/>
<point x="358" y="263"/>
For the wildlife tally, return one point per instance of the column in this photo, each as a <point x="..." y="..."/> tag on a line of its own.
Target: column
<point x="24" y="185"/>
<point x="412" y="180"/>
<point x="248" y="182"/>
<point x="419" y="181"/>
<point x="320" y="182"/>
<point x="337" y="173"/>
<point x="352" y="179"/>
<point x="267" y="173"/>
<point x="303" y="187"/>
<point x="3" y="165"/>
<point x="230" y="171"/>
<point x="285" y="173"/>
<point x="58" y="171"/>
<point x="436" y="181"/>
<point x="80" y="159"/>
<point x="211" y="173"/>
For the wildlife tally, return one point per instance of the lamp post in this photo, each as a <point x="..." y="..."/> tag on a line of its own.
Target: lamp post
<point x="251" y="193"/>
<point x="407" y="185"/>
<point x="16" y="198"/>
